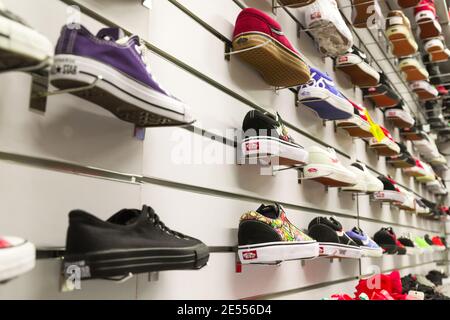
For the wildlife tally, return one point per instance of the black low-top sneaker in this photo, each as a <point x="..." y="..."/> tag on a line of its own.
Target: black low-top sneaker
<point x="333" y="241"/>
<point x="403" y="160"/>
<point x="387" y="240"/>
<point x="131" y="241"/>
<point x="382" y="95"/>
<point x="266" y="137"/>
<point x="408" y="244"/>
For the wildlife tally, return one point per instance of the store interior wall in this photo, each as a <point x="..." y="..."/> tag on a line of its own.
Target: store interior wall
<point x="42" y="157"/>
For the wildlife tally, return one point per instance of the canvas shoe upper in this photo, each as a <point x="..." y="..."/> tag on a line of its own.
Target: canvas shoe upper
<point x="398" y="31"/>
<point x="410" y="200"/>
<point x="366" y="181"/>
<point x="358" y="125"/>
<point x="382" y="95"/>
<point x="400" y="117"/>
<point x="324" y="167"/>
<point x="17" y="256"/>
<point x="267" y="236"/>
<point x="369" y="247"/>
<point x="427" y="20"/>
<point x="325" y="22"/>
<point x="438" y="244"/>
<point x="333" y="241"/>
<point x="260" y="42"/>
<point x="322" y="96"/>
<point x="266" y="137"/>
<point x="387" y="146"/>
<point x="387" y="239"/>
<point x="355" y="64"/>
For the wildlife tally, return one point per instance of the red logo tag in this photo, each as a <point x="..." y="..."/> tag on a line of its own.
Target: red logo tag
<point x="316" y="15"/>
<point x="343" y="59"/>
<point x="252" y="146"/>
<point x="312" y="170"/>
<point x="250" y="255"/>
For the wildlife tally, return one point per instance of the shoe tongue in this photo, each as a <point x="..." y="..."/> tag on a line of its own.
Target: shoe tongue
<point x="270" y="211"/>
<point x="125" y="216"/>
<point x="112" y="34"/>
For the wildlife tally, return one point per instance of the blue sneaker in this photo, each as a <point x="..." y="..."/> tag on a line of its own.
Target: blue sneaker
<point x="368" y="247"/>
<point x="321" y="96"/>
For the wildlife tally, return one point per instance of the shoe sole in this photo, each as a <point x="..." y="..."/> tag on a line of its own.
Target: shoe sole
<point x="121" y="95"/>
<point x="382" y="149"/>
<point x="412" y="73"/>
<point x="382" y="100"/>
<point x="428" y="26"/>
<point x="360" y="73"/>
<point x="107" y="264"/>
<point x="22" y="47"/>
<point x="355" y="127"/>
<point x="424" y="95"/>
<point x="330" y="249"/>
<point x="437" y="54"/>
<point x="389" y="196"/>
<point x="324" y="104"/>
<point x="407" y="3"/>
<point x="400" y="164"/>
<point x="16" y="261"/>
<point x="328" y="37"/>
<point x="362" y="13"/>
<point x="402" y="43"/>
<point x="268" y="148"/>
<point x="411" y="136"/>
<point x="275" y="252"/>
<point x="328" y="175"/>
<point x="278" y="65"/>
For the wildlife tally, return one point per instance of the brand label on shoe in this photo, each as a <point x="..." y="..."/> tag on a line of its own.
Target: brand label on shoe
<point x="316" y="15"/>
<point x="343" y="59"/>
<point x="251" y="146"/>
<point x="395" y="20"/>
<point x="250" y="255"/>
<point x="312" y="170"/>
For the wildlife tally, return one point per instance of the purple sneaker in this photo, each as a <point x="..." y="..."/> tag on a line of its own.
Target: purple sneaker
<point x="368" y="246"/>
<point x="127" y="87"/>
<point x="321" y="96"/>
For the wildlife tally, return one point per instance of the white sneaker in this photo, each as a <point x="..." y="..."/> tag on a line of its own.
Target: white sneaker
<point x="400" y="117"/>
<point x="410" y="200"/>
<point x="21" y="47"/>
<point x="417" y="171"/>
<point x="387" y="146"/>
<point x="438" y="160"/>
<point x="17" y="256"/>
<point x="325" y="22"/>
<point x="437" y="50"/>
<point x="424" y="90"/>
<point x="429" y="174"/>
<point x="324" y="167"/>
<point x="367" y="182"/>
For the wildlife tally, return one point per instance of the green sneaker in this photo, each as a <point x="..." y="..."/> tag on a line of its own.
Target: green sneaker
<point x="422" y="244"/>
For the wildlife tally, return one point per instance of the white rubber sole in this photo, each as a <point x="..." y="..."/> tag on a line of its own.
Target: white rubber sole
<point x="134" y="102"/>
<point x="371" y="252"/>
<point x="351" y="60"/>
<point x="389" y="196"/>
<point x="438" y="248"/>
<point x="411" y="251"/>
<point x="330" y="249"/>
<point x="316" y="93"/>
<point x="314" y="171"/>
<point x="16" y="261"/>
<point x="274" y="252"/>
<point x="269" y="147"/>
<point x="24" y="41"/>
<point x="386" y="142"/>
<point x="354" y="121"/>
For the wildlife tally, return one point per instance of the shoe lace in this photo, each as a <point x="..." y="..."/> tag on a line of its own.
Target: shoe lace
<point x="154" y="218"/>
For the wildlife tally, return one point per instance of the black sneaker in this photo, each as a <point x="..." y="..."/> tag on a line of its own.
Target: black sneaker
<point x="436" y="277"/>
<point x="408" y="244"/>
<point x="432" y="111"/>
<point x="357" y="67"/>
<point x="428" y="240"/>
<point x="403" y="160"/>
<point x="387" y="240"/>
<point x="382" y="95"/>
<point x="265" y="137"/>
<point x="131" y="241"/>
<point x="333" y="241"/>
<point x="414" y="133"/>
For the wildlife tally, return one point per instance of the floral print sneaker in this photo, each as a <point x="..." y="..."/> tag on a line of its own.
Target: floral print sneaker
<point x="266" y="236"/>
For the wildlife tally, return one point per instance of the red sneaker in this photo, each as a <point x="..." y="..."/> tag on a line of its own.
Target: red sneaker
<point x="438" y="245"/>
<point x="265" y="47"/>
<point x="427" y="20"/>
<point x="442" y="90"/>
